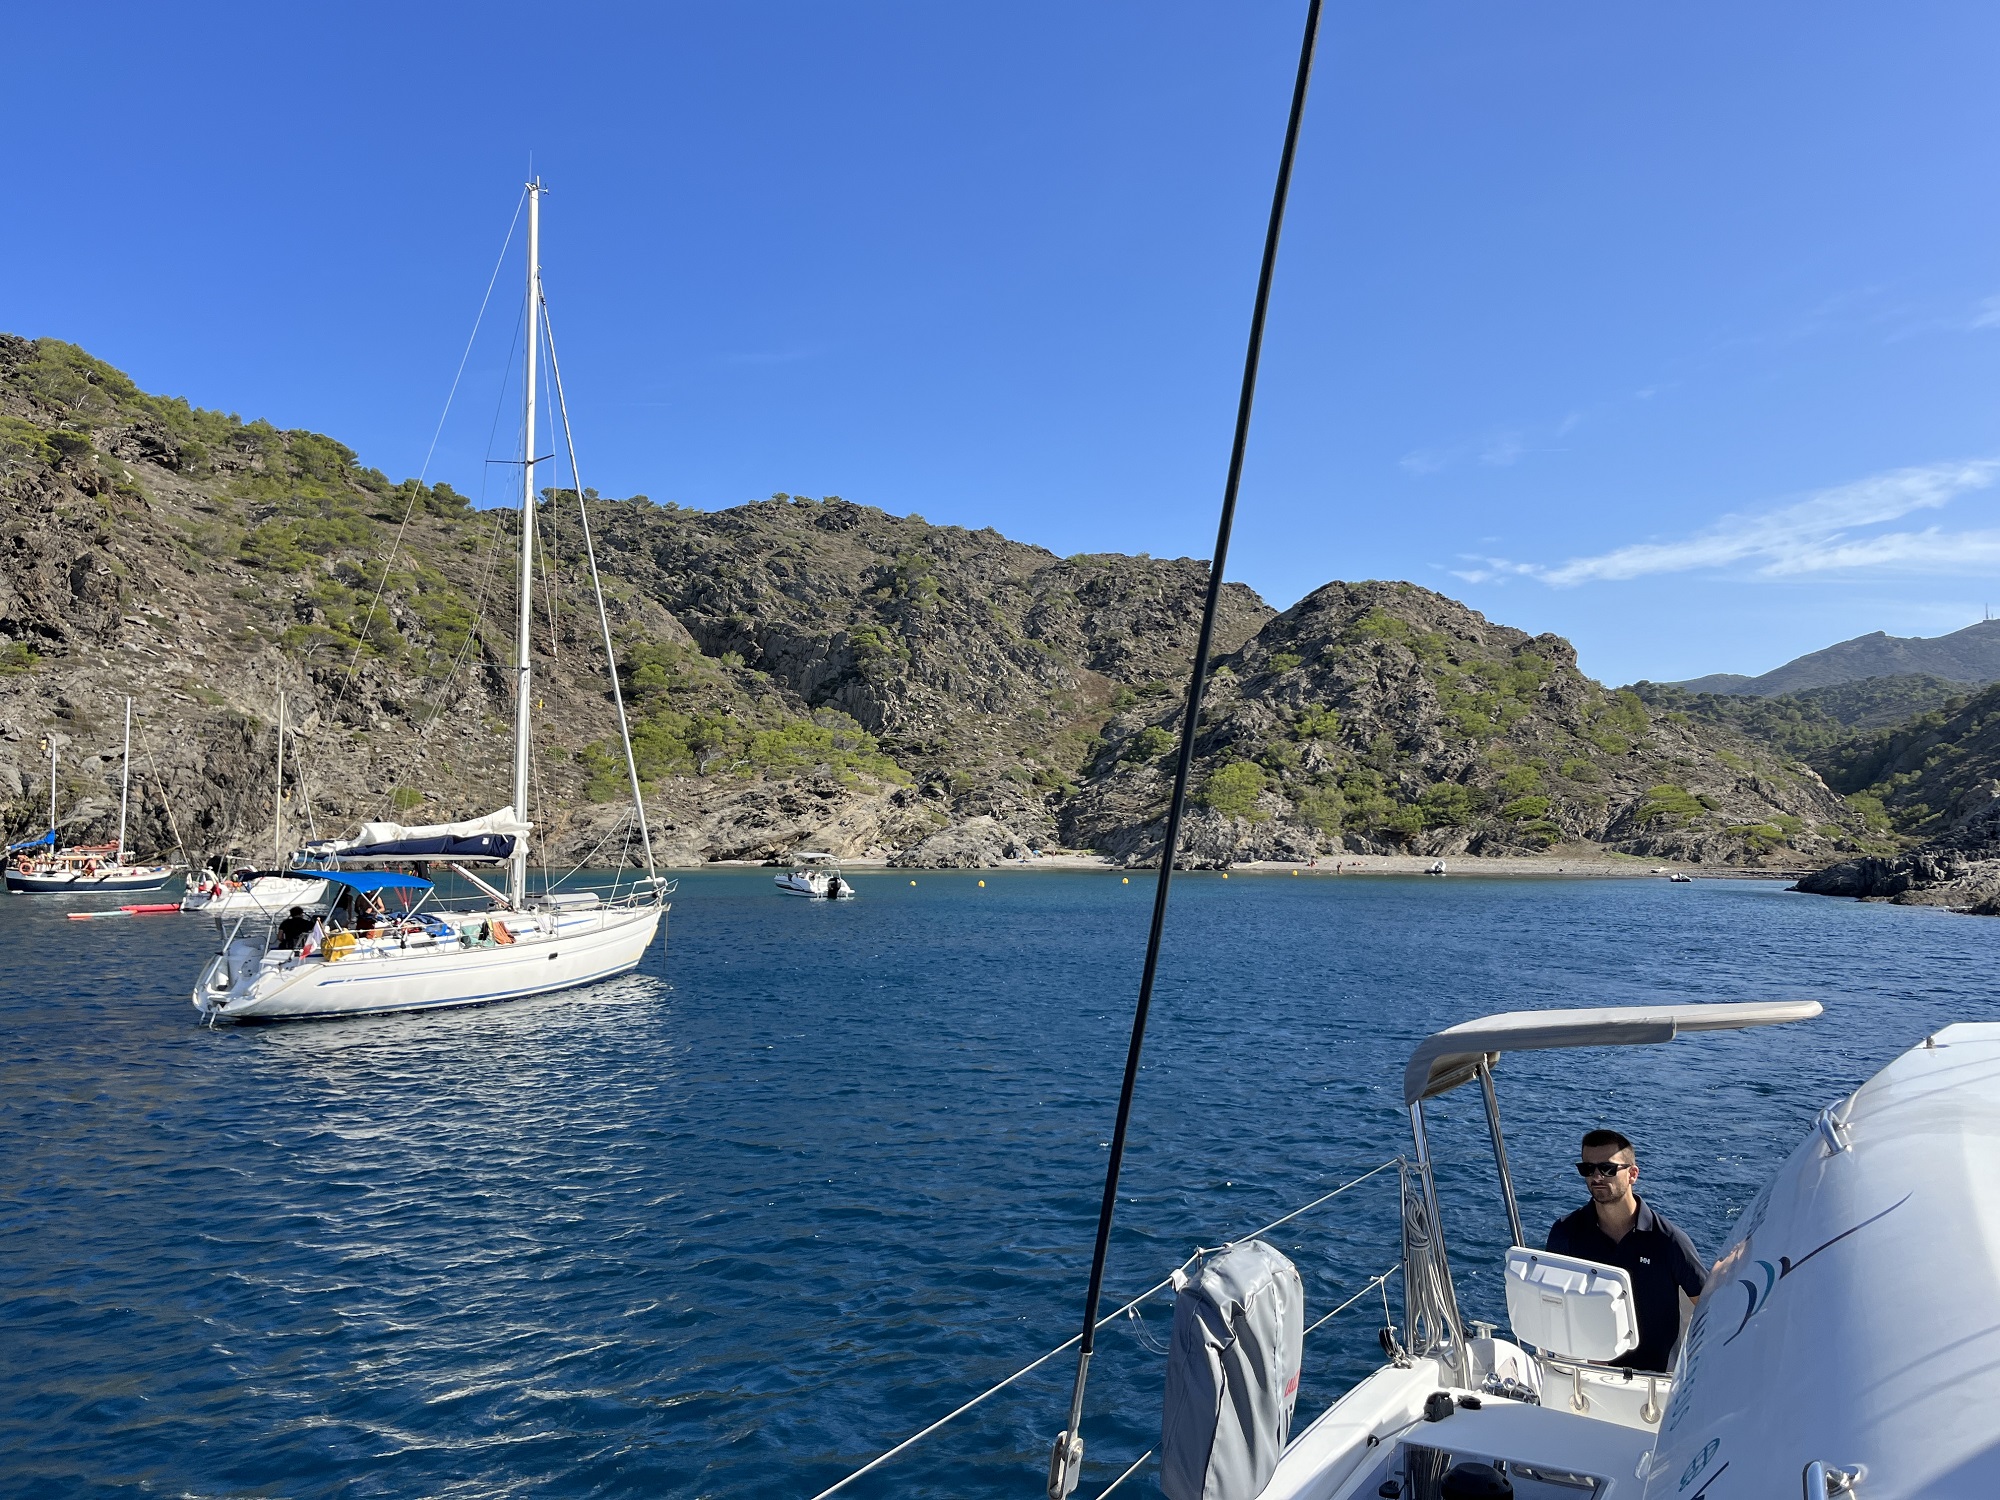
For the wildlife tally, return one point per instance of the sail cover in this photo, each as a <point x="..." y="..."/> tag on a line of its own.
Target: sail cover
<point x="493" y="837"/>
<point x="48" y="838"/>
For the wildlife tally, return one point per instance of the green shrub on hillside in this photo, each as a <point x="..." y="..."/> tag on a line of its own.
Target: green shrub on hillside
<point x="765" y="742"/>
<point x="1447" y="804"/>
<point x="1318" y="722"/>
<point x="1668" y="803"/>
<point x="1324" y="808"/>
<point x="1234" y="789"/>
<point x="17" y="657"/>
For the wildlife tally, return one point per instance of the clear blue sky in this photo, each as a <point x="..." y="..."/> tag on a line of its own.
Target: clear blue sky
<point x="1675" y="329"/>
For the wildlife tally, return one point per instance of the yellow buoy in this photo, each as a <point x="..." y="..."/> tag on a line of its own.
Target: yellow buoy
<point x="912" y="882"/>
<point x="982" y="885"/>
<point x="1225" y="874"/>
<point x="1125" y="880"/>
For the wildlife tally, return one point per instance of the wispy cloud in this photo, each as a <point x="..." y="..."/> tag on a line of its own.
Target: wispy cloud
<point x="1814" y="535"/>
<point x="1986" y="314"/>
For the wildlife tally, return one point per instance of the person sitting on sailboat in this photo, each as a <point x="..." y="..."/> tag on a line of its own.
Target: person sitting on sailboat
<point x="292" y="931"/>
<point x="1618" y="1228"/>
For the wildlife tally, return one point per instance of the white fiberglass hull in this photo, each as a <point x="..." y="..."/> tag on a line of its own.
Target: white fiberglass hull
<point x="551" y="951"/>
<point x="819" y="887"/>
<point x="274" y="894"/>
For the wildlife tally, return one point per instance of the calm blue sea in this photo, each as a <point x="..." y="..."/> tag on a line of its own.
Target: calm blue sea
<point x="818" y="1173"/>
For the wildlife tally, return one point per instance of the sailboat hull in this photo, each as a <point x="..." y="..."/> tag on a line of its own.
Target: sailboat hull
<point x="244" y="984"/>
<point x="76" y="883"/>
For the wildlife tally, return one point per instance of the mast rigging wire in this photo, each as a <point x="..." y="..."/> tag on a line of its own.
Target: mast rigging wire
<point x="597" y="588"/>
<point x="409" y="510"/>
<point x="1066" y="1458"/>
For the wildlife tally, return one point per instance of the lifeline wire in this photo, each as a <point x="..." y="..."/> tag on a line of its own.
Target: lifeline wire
<point x="1067" y="1454"/>
<point x="1110" y="1317"/>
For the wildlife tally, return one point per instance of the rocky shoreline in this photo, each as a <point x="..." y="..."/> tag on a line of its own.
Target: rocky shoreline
<point x="1959" y="871"/>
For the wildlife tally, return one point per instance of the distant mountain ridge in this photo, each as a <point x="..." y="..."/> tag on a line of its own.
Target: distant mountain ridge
<point x="1970" y="656"/>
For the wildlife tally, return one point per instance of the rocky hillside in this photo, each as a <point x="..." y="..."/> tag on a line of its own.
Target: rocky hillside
<point x="799" y="671"/>
<point x="1386" y="716"/>
<point x="1939" y="776"/>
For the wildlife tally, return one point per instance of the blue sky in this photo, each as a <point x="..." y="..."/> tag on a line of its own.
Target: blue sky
<point x="1673" y="329"/>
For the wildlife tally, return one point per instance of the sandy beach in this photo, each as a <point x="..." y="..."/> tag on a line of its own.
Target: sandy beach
<point x="1591" y="864"/>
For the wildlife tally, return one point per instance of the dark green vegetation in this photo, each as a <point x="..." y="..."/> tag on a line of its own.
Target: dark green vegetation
<point x="1899" y="748"/>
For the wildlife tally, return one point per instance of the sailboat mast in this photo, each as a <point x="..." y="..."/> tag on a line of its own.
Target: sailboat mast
<point x="52" y="786"/>
<point x="125" y="782"/>
<point x="278" y="795"/>
<point x="517" y="868"/>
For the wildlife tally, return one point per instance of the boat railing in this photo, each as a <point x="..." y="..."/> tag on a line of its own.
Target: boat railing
<point x="1130" y="1309"/>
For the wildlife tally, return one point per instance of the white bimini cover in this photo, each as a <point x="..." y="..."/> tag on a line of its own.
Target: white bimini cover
<point x="1451" y="1057"/>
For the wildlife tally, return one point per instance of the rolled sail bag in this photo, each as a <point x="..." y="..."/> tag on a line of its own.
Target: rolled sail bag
<point x="1232" y="1374"/>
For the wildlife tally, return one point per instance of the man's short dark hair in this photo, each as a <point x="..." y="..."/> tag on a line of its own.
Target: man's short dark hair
<point x="1607" y="1138"/>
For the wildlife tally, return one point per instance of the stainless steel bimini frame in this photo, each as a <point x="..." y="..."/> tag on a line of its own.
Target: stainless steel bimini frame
<point x="1471" y="1050"/>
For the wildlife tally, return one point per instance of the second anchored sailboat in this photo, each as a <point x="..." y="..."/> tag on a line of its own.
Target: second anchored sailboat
<point x="363" y="955"/>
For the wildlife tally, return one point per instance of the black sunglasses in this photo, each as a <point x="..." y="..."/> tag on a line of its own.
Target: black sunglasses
<point x="1600" y="1168"/>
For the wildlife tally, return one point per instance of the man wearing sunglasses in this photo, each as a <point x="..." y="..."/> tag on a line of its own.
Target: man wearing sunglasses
<point x="1618" y="1228"/>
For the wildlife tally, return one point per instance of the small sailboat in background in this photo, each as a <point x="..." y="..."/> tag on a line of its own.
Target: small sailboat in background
<point x="271" y="891"/>
<point x="360" y="956"/>
<point x="83" y="869"/>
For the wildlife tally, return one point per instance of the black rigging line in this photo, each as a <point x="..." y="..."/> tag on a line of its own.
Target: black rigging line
<point x="1066" y="1460"/>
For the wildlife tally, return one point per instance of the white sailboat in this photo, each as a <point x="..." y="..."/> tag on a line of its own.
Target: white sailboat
<point x="40" y="867"/>
<point x="363" y="957"/>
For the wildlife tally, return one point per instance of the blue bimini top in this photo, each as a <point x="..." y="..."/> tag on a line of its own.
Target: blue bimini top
<point x="366" y="880"/>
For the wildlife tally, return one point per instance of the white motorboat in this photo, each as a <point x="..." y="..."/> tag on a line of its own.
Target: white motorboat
<point x="360" y="957"/>
<point x="815" y="874"/>
<point x="39" y="867"/>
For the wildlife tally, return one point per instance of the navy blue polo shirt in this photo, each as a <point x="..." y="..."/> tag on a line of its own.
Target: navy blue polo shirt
<point x="1662" y="1262"/>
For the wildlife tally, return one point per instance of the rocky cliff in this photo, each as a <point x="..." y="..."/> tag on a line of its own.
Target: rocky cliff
<point x="799" y="671"/>
<point x="1380" y="716"/>
<point x="1938" y="775"/>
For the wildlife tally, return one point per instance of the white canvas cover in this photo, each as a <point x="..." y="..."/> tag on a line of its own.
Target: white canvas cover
<point x="501" y="822"/>
<point x="1451" y="1057"/>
